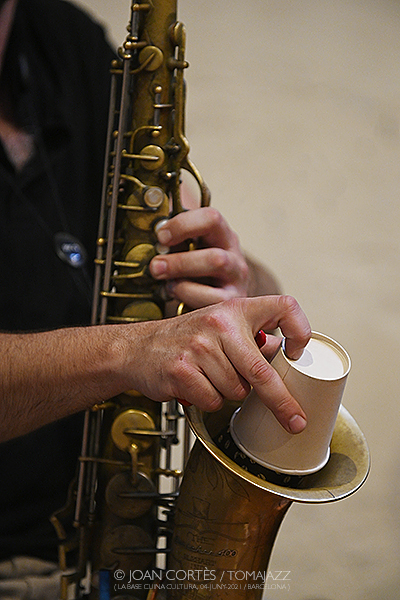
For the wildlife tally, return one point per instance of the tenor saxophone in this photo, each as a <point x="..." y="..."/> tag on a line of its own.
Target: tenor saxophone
<point x="137" y="532"/>
<point x="122" y="502"/>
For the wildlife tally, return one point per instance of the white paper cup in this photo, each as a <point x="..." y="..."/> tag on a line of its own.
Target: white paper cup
<point x="317" y="381"/>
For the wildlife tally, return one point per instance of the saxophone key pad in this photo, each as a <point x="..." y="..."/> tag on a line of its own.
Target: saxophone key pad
<point x="130" y="500"/>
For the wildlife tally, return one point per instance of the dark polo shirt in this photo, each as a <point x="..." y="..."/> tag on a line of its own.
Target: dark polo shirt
<point x="57" y="73"/>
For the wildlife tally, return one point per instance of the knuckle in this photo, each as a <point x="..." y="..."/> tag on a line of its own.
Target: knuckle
<point x="235" y="239"/>
<point x="214" y="403"/>
<point x="220" y="260"/>
<point x="235" y="305"/>
<point x="216" y="319"/>
<point x="183" y="378"/>
<point x="201" y="345"/>
<point x="180" y="370"/>
<point x="261" y="372"/>
<point x="228" y="264"/>
<point x="288" y="303"/>
<point x="244" y="270"/>
<point x="284" y="406"/>
<point x="239" y="393"/>
<point x="174" y="263"/>
<point x="214" y="217"/>
<point x="236" y="245"/>
<point x="306" y="335"/>
<point x="290" y="306"/>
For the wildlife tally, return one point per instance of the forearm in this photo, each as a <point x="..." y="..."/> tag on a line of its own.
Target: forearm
<point x="49" y="375"/>
<point x="203" y="357"/>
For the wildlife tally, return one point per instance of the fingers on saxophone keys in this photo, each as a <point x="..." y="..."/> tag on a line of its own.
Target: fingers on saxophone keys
<point x="219" y="264"/>
<point x="159" y="267"/>
<point x="204" y="222"/>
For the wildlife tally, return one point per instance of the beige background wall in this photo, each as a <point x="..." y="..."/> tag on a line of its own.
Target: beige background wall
<point x="293" y="119"/>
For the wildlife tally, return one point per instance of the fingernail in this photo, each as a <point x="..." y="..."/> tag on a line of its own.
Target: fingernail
<point x="297" y="423"/>
<point x="261" y="338"/>
<point x="296" y="354"/>
<point x="163" y="235"/>
<point x="184" y="402"/>
<point x="158" y="267"/>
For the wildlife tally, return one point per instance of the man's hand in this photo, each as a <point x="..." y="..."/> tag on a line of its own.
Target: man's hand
<point x="210" y="354"/>
<point x="215" y="271"/>
<point x="201" y="357"/>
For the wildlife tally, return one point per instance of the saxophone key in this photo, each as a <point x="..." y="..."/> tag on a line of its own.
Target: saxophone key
<point x="130" y="500"/>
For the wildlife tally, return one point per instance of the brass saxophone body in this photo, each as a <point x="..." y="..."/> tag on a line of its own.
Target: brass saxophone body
<point x="127" y="481"/>
<point x="127" y="513"/>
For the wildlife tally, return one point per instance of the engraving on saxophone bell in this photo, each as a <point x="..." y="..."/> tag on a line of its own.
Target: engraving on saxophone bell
<point x="222" y="536"/>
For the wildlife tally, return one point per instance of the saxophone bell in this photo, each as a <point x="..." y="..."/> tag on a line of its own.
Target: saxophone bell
<point x="227" y="517"/>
